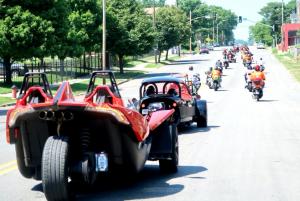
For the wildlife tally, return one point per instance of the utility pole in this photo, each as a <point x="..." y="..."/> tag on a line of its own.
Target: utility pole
<point x="213" y="31"/>
<point x="154" y="26"/>
<point x="218" y="33"/>
<point x="281" y="12"/>
<point x="104" y="35"/>
<point x="191" y="32"/>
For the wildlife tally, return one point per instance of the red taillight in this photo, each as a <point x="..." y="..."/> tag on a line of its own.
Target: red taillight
<point x="174" y="104"/>
<point x="7" y="128"/>
<point x="17" y="133"/>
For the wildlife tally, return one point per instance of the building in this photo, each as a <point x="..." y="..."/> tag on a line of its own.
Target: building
<point x="290" y="32"/>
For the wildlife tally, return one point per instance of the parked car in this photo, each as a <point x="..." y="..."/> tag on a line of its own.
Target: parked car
<point x="204" y="50"/>
<point x="210" y="47"/>
<point x="167" y="92"/>
<point x="17" y="69"/>
<point x="260" y="46"/>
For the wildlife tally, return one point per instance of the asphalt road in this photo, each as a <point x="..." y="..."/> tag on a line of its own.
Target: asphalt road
<point x="249" y="151"/>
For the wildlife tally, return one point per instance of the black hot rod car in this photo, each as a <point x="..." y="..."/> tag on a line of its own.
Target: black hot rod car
<point x="170" y="92"/>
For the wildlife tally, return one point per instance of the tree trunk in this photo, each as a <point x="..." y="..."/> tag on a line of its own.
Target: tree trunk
<point x="179" y="50"/>
<point x="7" y="67"/>
<point x="167" y="55"/>
<point x="121" y="63"/>
<point x="159" y="55"/>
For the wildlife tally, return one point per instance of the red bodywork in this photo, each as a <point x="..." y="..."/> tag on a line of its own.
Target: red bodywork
<point x="141" y="125"/>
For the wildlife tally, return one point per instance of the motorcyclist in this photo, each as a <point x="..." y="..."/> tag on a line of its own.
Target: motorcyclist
<point x="258" y="75"/>
<point x="216" y="74"/>
<point x="194" y="77"/>
<point x="261" y="63"/>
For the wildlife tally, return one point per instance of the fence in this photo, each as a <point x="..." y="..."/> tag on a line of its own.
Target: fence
<point x="57" y="70"/>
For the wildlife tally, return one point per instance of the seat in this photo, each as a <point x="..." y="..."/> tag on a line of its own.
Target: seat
<point x="103" y="96"/>
<point x="36" y="97"/>
<point x="172" y="92"/>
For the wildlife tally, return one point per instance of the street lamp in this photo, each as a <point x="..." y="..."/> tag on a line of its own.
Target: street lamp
<point x="207" y="17"/>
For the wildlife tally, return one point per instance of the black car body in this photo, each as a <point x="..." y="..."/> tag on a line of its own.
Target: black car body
<point x="17" y="69"/>
<point x="172" y="92"/>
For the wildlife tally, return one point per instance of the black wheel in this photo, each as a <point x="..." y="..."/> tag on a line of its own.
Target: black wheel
<point x="202" y="120"/>
<point x="170" y="166"/>
<point x="26" y="172"/>
<point x="215" y="86"/>
<point x="55" y="168"/>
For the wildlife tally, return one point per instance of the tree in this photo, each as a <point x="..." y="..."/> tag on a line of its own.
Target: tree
<point x="261" y="33"/>
<point x="129" y="29"/>
<point x="85" y="23"/>
<point x="150" y="3"/>
<point x="189" y="5"/>
<point x="272" y="14"/>
<point x="22" y="34"/>
<point x="172" y="27"/>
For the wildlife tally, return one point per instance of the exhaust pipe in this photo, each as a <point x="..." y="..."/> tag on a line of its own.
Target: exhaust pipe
<point x="68" y="116"/>
<point x="50" y="115"/>
<point x="43" y="115"/>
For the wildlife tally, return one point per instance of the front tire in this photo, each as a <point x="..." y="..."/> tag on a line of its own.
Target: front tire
<point x="170" y="166"/>
<point x="55" y="168"/>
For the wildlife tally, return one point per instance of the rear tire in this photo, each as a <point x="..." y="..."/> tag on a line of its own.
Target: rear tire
<point x="25" y="171"/>
<point x="55" y="168"/>
<point x="170" y="166"/>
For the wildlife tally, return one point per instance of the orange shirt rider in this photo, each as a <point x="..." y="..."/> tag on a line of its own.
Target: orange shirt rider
<point x="216" y="74"/>
<point x="257" y="75"/>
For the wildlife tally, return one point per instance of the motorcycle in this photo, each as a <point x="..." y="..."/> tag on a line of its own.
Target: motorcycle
<point x="216" y="82"/>
<point x="231" y="58"/>
<point x="196" y="81"/>
<point x="257" y="89"/>
<point x="225" y="63"/>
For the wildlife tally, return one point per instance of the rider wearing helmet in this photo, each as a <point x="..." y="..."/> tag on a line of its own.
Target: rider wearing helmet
<point x="258" y="75"/>
<point x="216" y="74"/>
<point x="261" y="63"/>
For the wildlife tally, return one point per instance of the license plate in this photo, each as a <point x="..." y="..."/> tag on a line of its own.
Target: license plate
<point x="101" y="162"/>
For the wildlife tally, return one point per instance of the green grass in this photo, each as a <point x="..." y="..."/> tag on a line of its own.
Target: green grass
<point x="290" y="63"/>
<point x="154" y="65"/>
<point x="6" y="100"/>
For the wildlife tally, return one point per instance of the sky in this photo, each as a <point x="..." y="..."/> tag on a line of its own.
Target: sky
<point x="246" y="8"/>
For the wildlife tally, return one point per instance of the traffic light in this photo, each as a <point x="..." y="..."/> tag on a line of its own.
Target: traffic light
<point x="240" y="19"/>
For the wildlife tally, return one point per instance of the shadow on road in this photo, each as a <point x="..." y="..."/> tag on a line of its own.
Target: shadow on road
<point x="267" y="101"/>
<point x="3" y="112"/>
<point x="150" y="183"/>
<point x="194" y="129"/>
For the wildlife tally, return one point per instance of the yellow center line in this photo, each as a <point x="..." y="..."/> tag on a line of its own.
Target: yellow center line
<point x="7" y="167"/>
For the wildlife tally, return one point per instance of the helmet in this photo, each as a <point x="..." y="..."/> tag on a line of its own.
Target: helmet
<point x="210" y="68"/>
<point x="191" y="68"/>
<point x="257" y="68"/>
<point x="260" y="58"/>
